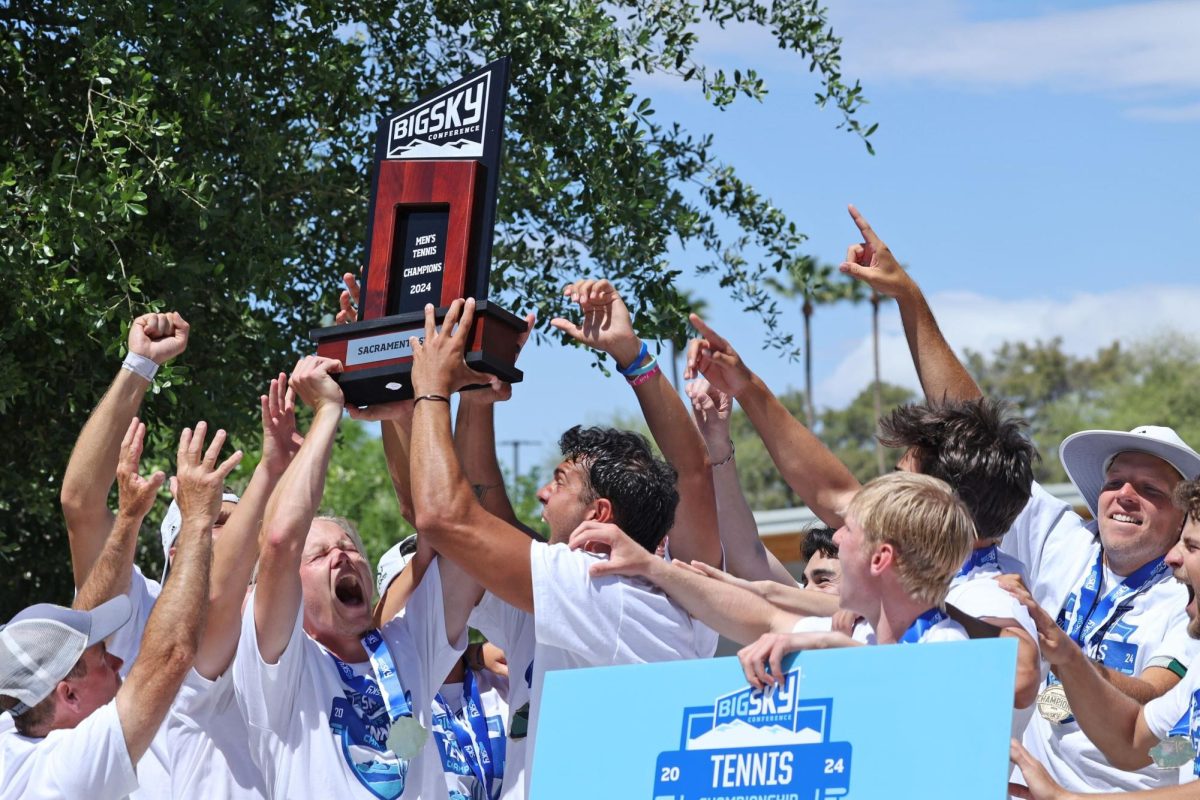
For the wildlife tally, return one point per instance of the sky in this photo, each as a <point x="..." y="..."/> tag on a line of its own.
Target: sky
<point x="1035" y="169"/>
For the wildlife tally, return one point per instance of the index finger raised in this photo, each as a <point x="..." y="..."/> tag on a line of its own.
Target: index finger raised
<point x="714" y="338"/>
<point x="864" y="227"/>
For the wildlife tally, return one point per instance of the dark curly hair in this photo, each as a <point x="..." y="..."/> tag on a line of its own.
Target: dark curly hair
<point x="974" y="446"/>
<point x="621" y="467"/>
<point x="819" y="540"/>
<point x="1186" y="496"/>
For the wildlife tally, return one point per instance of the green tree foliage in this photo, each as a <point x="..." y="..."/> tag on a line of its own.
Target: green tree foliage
<point x="215" y="159"/>
<point x="1151" y="383"/>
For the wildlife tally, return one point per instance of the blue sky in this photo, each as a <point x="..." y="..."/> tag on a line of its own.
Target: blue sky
<point x="1036" y="168"/>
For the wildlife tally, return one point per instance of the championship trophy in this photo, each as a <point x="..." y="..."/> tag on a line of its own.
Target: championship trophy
<point x="429" y="240"/>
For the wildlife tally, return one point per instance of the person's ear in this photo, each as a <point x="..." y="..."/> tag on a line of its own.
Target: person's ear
<point x="602" y="510"/>
<point x="883" y="558"/>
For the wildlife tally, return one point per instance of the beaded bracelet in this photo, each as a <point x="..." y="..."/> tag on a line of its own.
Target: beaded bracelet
<point x="631" y="369"/>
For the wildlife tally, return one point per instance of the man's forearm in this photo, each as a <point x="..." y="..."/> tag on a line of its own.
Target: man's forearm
<point x="745" y="554"/>
<point x="1105" y="713"/>
<point x="695" y="536"/>
<point x="396" y="447"/>
<point x="801" y="602"/>
<point x="731" y="611"/>
<point x="234" y="554"/>
<point x="475" y="445"/>
<point x="110" y="575"/>
<point x="942" y="375"/>
<point x="92" y="469"/>
<point x="806" y="464"/>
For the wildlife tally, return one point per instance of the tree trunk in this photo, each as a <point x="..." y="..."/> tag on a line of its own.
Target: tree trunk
<point x="808" y="395"/>
<point x="878" y="385"/>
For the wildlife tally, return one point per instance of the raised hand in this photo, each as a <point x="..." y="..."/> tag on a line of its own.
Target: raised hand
<point x="348" y="301"/>
<point x="135" y="494"/>
<point x="281" y="441"/>
<point x="199" y="480"/>
<point x="625" y="556"/>
<point x="762" y="660"/>
<point x="711" y="408"/>
<point x="439" y="364"/>
<point x="1057" y="648"/>
<point x="499" y="391"/>
<point x="606" y="323"/>
<point x="158" y="337"/>
<point x="872" y="261"/>
<point x="715" y="358"/>
<point x="312" y="380"/>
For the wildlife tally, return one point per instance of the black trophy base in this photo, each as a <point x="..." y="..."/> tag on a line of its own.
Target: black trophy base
<point x="492" y="350"/>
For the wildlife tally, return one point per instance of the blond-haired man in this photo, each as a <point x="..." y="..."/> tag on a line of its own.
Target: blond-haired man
<point x="905" y="537"/>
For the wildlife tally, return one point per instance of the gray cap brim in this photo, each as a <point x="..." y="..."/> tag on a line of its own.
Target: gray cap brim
<point x="108" y="617"/>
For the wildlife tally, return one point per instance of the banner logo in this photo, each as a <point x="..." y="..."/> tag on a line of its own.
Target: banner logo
<point x="448" y="125"/>
<point x="756" y="745"/>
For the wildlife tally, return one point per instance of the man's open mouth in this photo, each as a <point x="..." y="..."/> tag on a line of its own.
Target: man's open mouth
<point x="348" y="591"/>
<point x="1129" y="518"/>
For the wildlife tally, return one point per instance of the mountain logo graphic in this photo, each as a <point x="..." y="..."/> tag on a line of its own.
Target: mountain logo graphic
<point x="750" y="742"/>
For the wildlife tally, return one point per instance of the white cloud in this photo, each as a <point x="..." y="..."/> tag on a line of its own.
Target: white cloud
<point x="1085" y="322"/>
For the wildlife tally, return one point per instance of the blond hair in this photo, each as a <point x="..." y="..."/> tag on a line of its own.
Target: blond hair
<point x="922" y="518"/>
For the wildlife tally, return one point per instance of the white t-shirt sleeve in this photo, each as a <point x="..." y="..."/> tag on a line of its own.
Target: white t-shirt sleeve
<point x="1162" y="713"/>
<point x="89" y="760"/>
<point x="424" y="619"/>
<point x="1026" y="539"/>
<point x="984" y="597"/>
<point x="571" y="610"/>
<point x="126" y="642"/>
<point x="813" y="625"/>
<point x="266" y="693"/>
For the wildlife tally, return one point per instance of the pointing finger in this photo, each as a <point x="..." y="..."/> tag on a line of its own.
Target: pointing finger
<point x="864" y="227"/>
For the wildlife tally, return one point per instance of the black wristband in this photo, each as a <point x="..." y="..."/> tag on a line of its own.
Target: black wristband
<point x="439" y="397"/>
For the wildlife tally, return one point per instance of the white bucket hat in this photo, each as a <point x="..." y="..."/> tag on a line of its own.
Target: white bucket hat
<point x="1087" y="455"/>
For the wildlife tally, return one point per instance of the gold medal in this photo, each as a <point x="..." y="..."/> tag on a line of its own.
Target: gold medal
<point x="406" y="738"/>
<point x="1052" y="704"/>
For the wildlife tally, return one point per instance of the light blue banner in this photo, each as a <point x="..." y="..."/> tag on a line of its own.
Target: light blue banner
<point x="930" y="720"/>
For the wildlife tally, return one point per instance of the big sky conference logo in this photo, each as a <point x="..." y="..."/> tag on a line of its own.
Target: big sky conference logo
<point x="756" y="745"/>
<point x="449" y="125"/>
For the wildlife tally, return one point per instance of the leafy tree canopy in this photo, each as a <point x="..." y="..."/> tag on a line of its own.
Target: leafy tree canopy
<point x="214" y="157"/>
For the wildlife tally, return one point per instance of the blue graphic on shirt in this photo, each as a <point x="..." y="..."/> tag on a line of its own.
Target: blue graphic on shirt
<point x="751" y="743"/>
<point x="455" y="762"/>
<point x="1194" y="731"/>
<point x="360" y="722"/>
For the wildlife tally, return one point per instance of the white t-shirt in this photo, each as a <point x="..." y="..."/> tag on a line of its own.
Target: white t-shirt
<point x="1162" y="714"/>
<point x="154" y="779"/>
<point x="207" y="743"/>
<point x="87" y="762"/>
<point x="579" y="621"/>
<point x="460" y="780"/>
<point x="945" y="630"/>
<point x="1060" y="550"/>
<point x="306" y="726"/>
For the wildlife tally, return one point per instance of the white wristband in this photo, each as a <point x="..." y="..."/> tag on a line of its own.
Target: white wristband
<point x="140" y="365"/>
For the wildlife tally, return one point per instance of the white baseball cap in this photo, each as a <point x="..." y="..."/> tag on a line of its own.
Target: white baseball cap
<point x="393" y="562"/>
<point x="172" y="522"/>
<point x="1087" y="455"/>
<point x="42" y="644"/>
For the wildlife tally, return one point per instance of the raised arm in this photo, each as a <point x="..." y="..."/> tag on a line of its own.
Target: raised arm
<point x="942" y="375"/>
<point x="806" y="464"/>
<point x="729" y="610"/>
<point x="449" y="515"/>
<point x="292" y="506"/>
<point x="91" y="470"/>
<point x="173" y="631"/>
<point x="109" y="576"/>
<point x="236" y="550"/>
<point x="745" y="555"/>
<point x="607" y="326"/>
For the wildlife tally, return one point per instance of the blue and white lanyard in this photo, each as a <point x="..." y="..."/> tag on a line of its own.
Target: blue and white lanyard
<point x="922" y="624"/>
<point x="477" y="749"/>
<point x="1088" y="629"/>
<point x="981" y="557"/>
<point x="384" y="681"/>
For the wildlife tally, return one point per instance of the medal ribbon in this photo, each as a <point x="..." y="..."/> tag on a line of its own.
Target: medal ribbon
<point x="981" y="557"/>
<point x="922" y="624"/>
<point x="1101" y="615"/>
<point x="385" y="681"/>
<point x="475" y="743"/>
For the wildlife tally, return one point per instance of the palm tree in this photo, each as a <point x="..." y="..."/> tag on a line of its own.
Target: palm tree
<point x="816" y="285"/>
